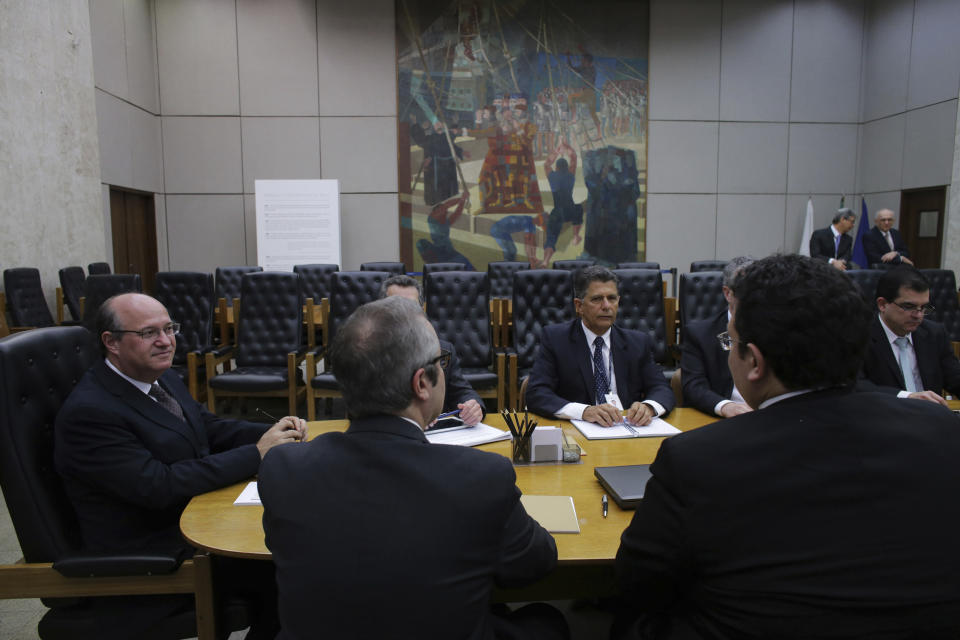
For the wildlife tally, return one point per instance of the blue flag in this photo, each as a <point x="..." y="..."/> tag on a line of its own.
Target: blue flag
<point x="859" y="255"/>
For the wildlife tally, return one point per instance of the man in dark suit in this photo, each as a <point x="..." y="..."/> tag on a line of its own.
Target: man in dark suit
<point x="707" y="383"/>
<point x="908" y="355"/>
<point x="821" y="513"/>
<point x="883" y="244"/>
<point x="832" y="244"/>
<point x="590" y="369"/>
<point x="460" y="394"/>
<point x="133" y="446"/>
<point x="375" y="532"/>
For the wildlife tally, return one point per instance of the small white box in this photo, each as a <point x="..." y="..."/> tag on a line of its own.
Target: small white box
<point x="546" y="444"/>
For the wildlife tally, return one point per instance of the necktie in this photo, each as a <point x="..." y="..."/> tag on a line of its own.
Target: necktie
<point x="836" y="246"/>
<point x="600" y="384"/>
<point x="889" y="239"/>
<point x="903" y="346"/>
<point x="165" y="400"/>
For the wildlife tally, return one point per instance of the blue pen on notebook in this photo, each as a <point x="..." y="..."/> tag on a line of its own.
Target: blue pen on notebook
<point x="448" y="414"/>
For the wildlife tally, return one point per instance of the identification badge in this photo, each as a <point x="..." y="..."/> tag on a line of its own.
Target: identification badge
<point x="613" y="399"/>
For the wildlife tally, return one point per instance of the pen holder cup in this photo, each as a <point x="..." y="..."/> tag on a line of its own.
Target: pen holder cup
<point x="521" y="450"/>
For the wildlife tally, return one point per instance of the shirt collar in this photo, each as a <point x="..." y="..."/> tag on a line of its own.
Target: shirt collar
<point x="835" y="232"/>
<point x="591" y="336"/>
<point x="891" y="336"/>
<point x="143" y="386"/>
<point x="782" y="396"/>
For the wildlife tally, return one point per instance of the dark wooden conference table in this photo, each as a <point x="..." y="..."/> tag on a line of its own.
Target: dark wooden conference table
<point x="212" y="522"/>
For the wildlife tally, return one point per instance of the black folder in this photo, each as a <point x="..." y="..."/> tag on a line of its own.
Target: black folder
<point x="625" y="483"/>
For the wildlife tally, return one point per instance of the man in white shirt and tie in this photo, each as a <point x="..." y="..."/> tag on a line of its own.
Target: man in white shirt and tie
<point x="883" y="244"/>
<point x="590" y="369"/>
<point x="908" y="355"/>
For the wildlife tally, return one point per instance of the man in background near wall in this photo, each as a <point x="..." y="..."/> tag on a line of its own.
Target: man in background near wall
<point x="832" y="244"/>
<point x="908" y="355"/>
<point x="884" y="245"/>
<point x="824" y="513"/>
<point x="705" y="375"/>
<point x="460" y="394"/>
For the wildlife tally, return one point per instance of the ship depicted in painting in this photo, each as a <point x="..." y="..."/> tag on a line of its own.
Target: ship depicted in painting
<point x="524" y="122"/>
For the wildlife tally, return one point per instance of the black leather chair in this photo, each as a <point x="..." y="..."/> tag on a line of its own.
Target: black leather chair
<point x="540" y="297"/>
<point x="269" y="342"/>
<point x="393" y="268"/>
<point x="69" y="292"/>
<point x="25" y="300"/>
<point x="638" y="265"/>
<point x="433" y="267"/>
<point x="943" y="296"/>
<point x="572" y="265"/>
<point x="188" y="297"/>
<point x="348" y="290"/>
<point x="701" y="296"/>
<point x="500" y="274"/>
<point x="707" y="265"/>
<point x="227" y="282"/>
<point x="315" y="296"/>
<point x="99" y="269"/>
<point x="866" y="281"/>
<point x="97" y="288"/>
<point x="642" y="309"/>
<point x="458" y="306"/>
<point x="38" y="370"/>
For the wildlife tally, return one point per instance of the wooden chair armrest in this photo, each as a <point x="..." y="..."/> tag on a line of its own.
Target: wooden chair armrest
<point x="59" y="305"/>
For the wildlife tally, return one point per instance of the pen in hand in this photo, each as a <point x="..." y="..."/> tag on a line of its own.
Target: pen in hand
<point x="275" y="420"/>
<point x="605" y="504"/>
<point x="455" y="412"/>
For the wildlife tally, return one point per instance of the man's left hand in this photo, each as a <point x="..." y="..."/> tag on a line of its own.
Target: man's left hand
<point x="640" y="414"/>
<point x="470" y="412"/>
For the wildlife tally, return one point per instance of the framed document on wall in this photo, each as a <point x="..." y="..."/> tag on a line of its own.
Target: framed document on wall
<point x="298" y="222"/>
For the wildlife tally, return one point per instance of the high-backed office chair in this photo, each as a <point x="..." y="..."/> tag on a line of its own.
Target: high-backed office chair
<point x="348" y="290"/>
<point x="269" y="342"/>
<point x="188" y="297"/>
<point x="97" y="288"/>
<point x="98" y="269"/>
<point x="707" y="265"/>
<point x="500" y="275"/>
<point x="69" y="292"/>
<point x="642" y="309"/>
<point x="25" y="300"/>
<point x="866" y="281"/>
<point x="638" y="265"/>
<point x="458" y="307"/>
<point x="227" y="283"/>
<point x="38" y="370"/>
<point x="393" y="268"/>
<point x="433" y="267"/>
<point x="572" y="265"/>
<point x="315" y="295"/>
<point x="540" y="297"/>
<point x="701" y="296"/>
<point x="943" y="296"/>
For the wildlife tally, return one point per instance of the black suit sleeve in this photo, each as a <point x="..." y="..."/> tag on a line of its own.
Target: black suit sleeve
<point x="459" y="389"/>
<point x="650" y="383"/>
<point x="872" y="242"/>
<point x="527" y="551"/>
<point x="697" y="392"/>
<point x="949" y="365"/>
<point x="542" y="398"/>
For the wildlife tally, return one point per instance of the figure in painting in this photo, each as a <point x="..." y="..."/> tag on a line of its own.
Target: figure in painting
<point x="561" y="173"/>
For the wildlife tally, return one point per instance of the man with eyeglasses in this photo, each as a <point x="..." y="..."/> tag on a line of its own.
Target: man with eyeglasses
<point x="823" y="513"/>
<point x="133" y="447"/>
<point x="908" y="354"/>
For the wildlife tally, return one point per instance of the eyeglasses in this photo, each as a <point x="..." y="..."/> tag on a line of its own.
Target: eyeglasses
<point x="726" y="342"/>
<point x="443" y="360"/>
<point x="909" y="307"/>
<point x="152" y="333"/>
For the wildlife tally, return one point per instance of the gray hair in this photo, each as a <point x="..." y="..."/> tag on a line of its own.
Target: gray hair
<point x="844" y="214"/>
<point x="401" y="281"/>
<point x="732" y="270"/>
<point x="376" y="352"/>
<point x="594" y="273"/>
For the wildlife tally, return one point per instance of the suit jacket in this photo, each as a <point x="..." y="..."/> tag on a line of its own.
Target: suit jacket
<point x="939" y="367"/>
<point x="827" y="514"/>
<point x="459" y="389"/>
<point x="706" y="375"/>
<point x="822" y="247"/>
<point x="389" y="536"/>
<point x="130" y="466"/>
<point x="563" y="371"/>
<point x="874" y="245"/>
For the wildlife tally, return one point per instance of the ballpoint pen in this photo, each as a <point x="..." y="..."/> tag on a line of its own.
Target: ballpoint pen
<point x="605" y="504"/>
<point x="448" y="414"/>
<point x="275" y="419"/>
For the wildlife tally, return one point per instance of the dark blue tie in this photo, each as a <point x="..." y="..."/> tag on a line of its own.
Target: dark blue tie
<point x="600" y="384"/>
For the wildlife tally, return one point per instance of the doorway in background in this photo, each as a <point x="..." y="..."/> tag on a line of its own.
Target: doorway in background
<point x="133" y="222"/>
<point x="921" y="224"/>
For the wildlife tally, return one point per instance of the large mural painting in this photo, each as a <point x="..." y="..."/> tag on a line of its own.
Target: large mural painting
<point x="522" y="131"/>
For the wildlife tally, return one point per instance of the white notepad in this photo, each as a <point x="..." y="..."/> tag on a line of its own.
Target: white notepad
<point x="249" y="497"/>
<point x="656" y="429"/>
<point x="469" y="436"/>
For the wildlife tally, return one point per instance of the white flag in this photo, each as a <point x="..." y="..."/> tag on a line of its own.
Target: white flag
<point x="807" y="230"/>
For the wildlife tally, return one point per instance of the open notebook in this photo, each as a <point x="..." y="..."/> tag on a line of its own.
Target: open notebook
<point x="656" y="429"/>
